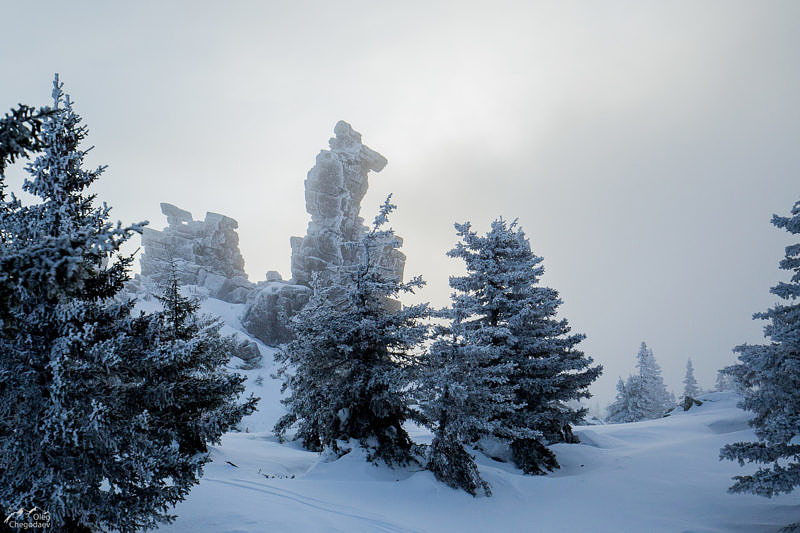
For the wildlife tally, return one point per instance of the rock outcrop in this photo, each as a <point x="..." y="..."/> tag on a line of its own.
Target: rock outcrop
<point x="249" y="353"/>
<point x="269" y="308"/>
<point x="205" y="253"/>
<point x="335" y="187"/>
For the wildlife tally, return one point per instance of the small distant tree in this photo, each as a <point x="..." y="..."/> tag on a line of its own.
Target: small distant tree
<point x="179" y="311"/>
<point x="769" y="377"/>
<point x="690" y="388"/>
<point x="649" y="397"/>
<point x="619" y="411"/>
<point x="349" y="369"/>
<point x="528" y="365"/>
<point x="643" y="396"/>
<point x="725" y="381"/>
<point x="104" y="415"/>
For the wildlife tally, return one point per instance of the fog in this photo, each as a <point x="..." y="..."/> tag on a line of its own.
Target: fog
<point x="643" y="146"/>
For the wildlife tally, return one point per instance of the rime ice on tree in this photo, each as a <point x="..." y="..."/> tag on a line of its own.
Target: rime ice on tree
<point x="690" y="388"/>
<point x="620" y="412"/>
<point x="506" y="366"/>
<point x="643" y="396"/>
<point x="348" y="370"/>
<point x="101" y="409"/>
<point x="769" y="377"/>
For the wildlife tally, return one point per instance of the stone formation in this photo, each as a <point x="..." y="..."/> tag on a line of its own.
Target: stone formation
<point x="206" y="253"/>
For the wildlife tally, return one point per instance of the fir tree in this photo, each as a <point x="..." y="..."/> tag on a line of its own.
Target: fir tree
<point x="21" y="134"/>
<point x="619" y="411"/>
<point x="349" y="368"/>
<point x="464" y="391"/>
<point x="648" y="395"/>
<point x="642" y="396"/>
<point x="178" y="308"/>
<point x="725" y="381"/>
<point x="508" y="323"/>
<point x="189" y="358"/>
<point x="95" y="427"/>
<point x="690" y="388"/>
<point x="769" y="376"/>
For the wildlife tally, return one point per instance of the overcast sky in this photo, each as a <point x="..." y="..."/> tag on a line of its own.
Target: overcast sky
<point x="643" y="145"/>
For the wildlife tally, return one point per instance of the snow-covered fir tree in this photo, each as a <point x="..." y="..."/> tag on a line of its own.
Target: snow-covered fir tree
<point x="643" y="395"/>
<point x="620" y="410"/>
<point x="20" y="134"/>
<point x="690" y="388"/>
<point x="769" y="377"/>
<point x="507" y="325"/>
<point x="97" y="424"/>
<point x="463" y="393"/>
<point x="188" y="355"/>
<point x="725" y="381"/>
<point x="349" y="368"/>
<point x="648" y="395"/>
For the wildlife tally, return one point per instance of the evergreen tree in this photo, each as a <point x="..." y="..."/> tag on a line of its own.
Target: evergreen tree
<point x="178" y="309"/>
<point x="648" y="394"/>
<point x="690" y="388"/>
<point x="725" y="381"/>
<point x="464" y="392"/>
<point x="189" y="357"/>
<point x="20" y="134"/>
<point x="350" y="366"/>
<point x="619" y="411"/>
<point x="508" y="324"/>
<point x="93" y="427"/>
<point x="769" y="375"/>
<point x="642" y="396"/>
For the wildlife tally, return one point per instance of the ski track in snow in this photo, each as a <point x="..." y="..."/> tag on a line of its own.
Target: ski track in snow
<point x="314" y="503"/>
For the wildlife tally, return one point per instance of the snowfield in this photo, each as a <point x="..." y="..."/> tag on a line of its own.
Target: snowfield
<point x="656" y="476"/>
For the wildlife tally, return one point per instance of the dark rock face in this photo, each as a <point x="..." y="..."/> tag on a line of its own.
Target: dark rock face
<point x="269" y="308"/>
<point x="689" y="402"/>
<point x="249" y="353"/>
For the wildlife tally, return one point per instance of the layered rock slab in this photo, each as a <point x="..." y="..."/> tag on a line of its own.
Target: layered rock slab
<point x="334" y="188"/>
<point x="204" y="252"/>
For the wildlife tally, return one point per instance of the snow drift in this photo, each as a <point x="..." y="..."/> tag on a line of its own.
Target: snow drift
<point x="656" y="476"/>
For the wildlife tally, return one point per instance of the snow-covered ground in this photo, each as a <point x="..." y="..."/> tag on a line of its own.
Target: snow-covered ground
<point x="656" y="476"/>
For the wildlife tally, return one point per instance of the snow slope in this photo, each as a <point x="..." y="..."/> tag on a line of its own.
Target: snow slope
<point x="656" y="476"/>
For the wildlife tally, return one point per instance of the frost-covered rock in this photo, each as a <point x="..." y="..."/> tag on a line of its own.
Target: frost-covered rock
<point x="269" y="308"/>
<point x="335" y="187"/>
<point x="249" y="353"/>
<point x="206" y="253"/>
